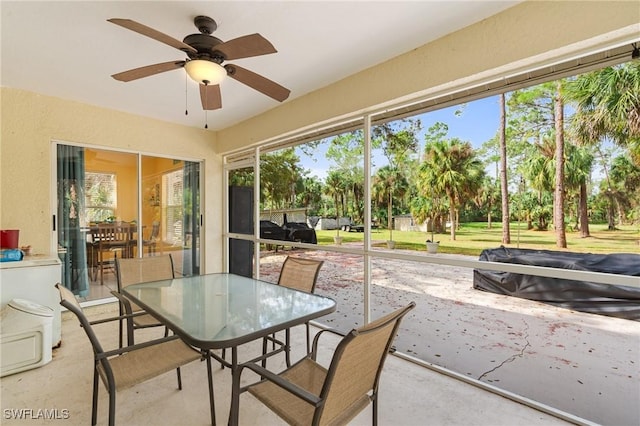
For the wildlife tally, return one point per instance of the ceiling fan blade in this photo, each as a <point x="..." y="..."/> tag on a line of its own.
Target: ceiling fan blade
<point x="210" y="96"/>
<point x="151" y="33"/>
<point x="258" y="82"/>
<point x="147" y="71"/>
<point x="245" y="47"/>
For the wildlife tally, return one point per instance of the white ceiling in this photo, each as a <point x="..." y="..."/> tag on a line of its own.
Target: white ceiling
<point x="69" y="50"/>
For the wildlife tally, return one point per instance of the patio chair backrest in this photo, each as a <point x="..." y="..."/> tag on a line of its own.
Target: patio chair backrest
<point x="354" y="373"/>
<point x="145" y="269"/>
<point x="300" y="274"/>
<point x="69" y="301"/>
<point x="140" y="270"/>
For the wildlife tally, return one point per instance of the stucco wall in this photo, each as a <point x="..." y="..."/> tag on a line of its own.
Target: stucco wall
<point x="30" y="122"/>
<point x="517" y="34"/>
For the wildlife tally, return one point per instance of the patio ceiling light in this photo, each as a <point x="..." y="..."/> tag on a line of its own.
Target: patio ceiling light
<point x="205" y="72"/>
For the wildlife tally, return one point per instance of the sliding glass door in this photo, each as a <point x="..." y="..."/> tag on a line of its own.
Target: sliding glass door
<point x="170" y="213"/>
<point x="155" y="200"/>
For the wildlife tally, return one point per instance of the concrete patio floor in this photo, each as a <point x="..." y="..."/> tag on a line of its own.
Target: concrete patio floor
<point x="409" y="395"/>
<point x="579" y="363"/>
<point x="581" y="366"/>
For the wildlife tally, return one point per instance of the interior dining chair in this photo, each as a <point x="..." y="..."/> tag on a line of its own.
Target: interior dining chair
<point x="111" y="239"/>
<point x="133" y="271"/>
<point x="131" y="365"/>
<point x="152" y="242"/>
<point x="307" y="393"/>
<point x="299" y="274"/>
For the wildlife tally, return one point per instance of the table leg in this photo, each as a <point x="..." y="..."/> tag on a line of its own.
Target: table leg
<point x="207" y="355"/>
<point x="235" y="389"/>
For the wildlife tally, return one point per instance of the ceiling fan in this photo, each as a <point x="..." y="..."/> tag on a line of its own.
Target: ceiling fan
<point x="206" y="55"/>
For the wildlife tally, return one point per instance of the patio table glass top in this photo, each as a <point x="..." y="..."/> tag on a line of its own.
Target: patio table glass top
<point x="224" y="310"/>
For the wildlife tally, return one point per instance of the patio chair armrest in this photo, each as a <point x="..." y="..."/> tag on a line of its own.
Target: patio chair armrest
<point x="138" y="346"/>
<point x="124" y="302"/>
<point x="316" y="338"/>
<point x="119" y="317"/>
<point x="279" y="381"/>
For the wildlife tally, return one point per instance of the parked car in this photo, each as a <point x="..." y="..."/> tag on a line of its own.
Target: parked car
<point x="272" y="231"/>
<point x="300" y="232"/>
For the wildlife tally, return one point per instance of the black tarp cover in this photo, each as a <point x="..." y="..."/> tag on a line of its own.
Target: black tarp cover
<point x="605" y="299"/>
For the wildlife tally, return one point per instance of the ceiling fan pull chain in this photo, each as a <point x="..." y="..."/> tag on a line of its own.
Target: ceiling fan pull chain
<point x="206" y="116"/>
<point x="186" y="110"/>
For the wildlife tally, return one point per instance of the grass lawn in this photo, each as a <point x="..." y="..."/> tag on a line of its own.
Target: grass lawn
<point x="474" y="237"/>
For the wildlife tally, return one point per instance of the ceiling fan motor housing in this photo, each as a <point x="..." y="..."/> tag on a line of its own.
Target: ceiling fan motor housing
<point x="205" y="25"/>
<point x="204" y="44"/>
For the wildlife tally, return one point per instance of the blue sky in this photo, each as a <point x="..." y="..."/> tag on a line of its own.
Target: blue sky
<point x="477" y="124"/>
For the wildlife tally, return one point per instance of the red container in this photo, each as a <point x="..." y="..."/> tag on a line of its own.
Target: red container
<point x="9" y="238"/>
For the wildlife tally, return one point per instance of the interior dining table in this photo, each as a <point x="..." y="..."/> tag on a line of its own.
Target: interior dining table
<point x="224" y="311"/>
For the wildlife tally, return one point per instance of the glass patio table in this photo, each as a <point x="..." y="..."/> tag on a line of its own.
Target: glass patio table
<point x="220" y="311"/>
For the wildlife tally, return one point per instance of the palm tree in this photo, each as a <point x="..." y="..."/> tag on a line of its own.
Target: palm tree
<point x="504" y="182"/>
<point x="450" y="168"/>
<point x="625" y="178"/>
<point x="387" y="183"/>
<point x="539" y="169"/>
<point x="334" y="187"/>
<point x="608" y="105"/>
<point x="310" y="195"/>
<point x="398" y="142"/>
<point x="578" y="171"/>
<point x="487" y="197"/>
<point x="558" y="197"/>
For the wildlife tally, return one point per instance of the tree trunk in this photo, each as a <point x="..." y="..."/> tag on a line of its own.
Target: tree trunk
<point x="504" y="189"/>
<point x="583" y="213"/>
<point x="390" y="217"/>
<point x="558" y="202"/>
<point x="621" y="218"/>
<point x="336" y="201"/>
<point x="452" y="218"/>
<point x="612" y="222"/>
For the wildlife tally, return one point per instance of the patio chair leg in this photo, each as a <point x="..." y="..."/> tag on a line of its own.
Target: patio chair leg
<point x="179" y="378"/>
<point x="207" y="355"/>
<point x="112" y="407"/>
<point x="265" y="342"/>
<point x="130" y="337"/>
<point x="94" y="404"/>
<point x="375" y="409"/>
<point x="120" y="330"/>
<point x="287" y="347"/>
<point x="234" y="412"/>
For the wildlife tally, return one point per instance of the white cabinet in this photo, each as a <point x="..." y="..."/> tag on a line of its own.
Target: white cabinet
<point x="34" y="279"/>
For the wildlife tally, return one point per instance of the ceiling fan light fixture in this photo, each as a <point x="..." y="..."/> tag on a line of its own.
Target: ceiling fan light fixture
<point x="205" y="72"/>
